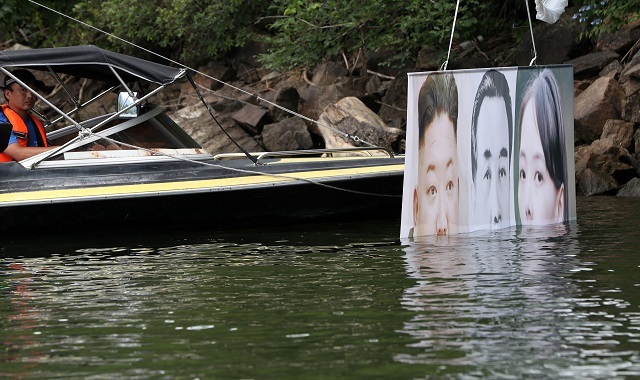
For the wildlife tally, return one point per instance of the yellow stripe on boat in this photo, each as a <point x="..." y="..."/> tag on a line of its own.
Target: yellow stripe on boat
<point x="188" y="186"/>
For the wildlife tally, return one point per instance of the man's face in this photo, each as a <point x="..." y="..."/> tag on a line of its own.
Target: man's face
<point x="540" y="202"/>
<point x="491" y="182"/>
<point x="435" y="198"/>
<point x="19" y="98"/>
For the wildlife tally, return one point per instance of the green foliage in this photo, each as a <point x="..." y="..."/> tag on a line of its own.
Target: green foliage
<point x="302" y="33"/>
<point x="308" y="31"/>
<point x="602" y="16"/>
<point x="26" y="23"/>
<point x="189" y="30"/>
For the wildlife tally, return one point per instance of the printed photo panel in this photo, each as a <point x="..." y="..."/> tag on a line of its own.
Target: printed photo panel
<point x="469" y="161"/>
<point x="544" y="166"/>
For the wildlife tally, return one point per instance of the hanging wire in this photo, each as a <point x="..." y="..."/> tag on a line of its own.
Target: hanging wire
<point x="290" y="177"/>
<point x="318" y="123"/>
<point x="535" y="53"/>
<point x="453" y="29"/>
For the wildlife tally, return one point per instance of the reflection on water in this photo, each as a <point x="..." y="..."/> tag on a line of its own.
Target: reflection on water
<point x="524" y="297"/>
<point x="339" y="302"/>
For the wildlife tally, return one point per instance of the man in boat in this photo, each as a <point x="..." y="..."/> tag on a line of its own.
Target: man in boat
<point x="436" y="195"/>
<point x="28" y="136"/>
<point x="491" y="139"/>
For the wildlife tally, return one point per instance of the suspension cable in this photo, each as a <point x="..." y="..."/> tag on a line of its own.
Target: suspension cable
<point x="453" y="29"/>
<point x="535" y="53"/>
<point x="245" y="171"/>
<point x="318" y="123"/>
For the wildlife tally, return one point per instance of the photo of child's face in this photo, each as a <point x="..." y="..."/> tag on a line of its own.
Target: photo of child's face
<point x="436" y="193"/>
<point x="540" y="202"/>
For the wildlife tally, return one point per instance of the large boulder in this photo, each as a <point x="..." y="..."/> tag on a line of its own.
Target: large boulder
<point x="327" y="73"/>
<point x="622" y="40"/>
<point x="251" y="118"/>
<point x="315" y="98"/>
<point x="286" y="100"/>
<point x="591" y="64"/>
<point x="612" y="70"/>
<point x="619" y="133"/>
<point x="601" y="101"/>
<point x="631" y="189"/>
<point x="606" y="164"/>
<point x="394" y="103"/>
<point x="631" y="110"/>
<point x="197" y="122"/>
<point x="213" y="75"/>
<point x="630" y="82"/>
<point x="288" y="134"/>
<point x="350" y="116"/>
<point x="596" y="182"/>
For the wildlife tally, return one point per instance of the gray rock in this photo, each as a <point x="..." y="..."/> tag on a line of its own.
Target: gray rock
<point x="612" y="70"/>
<point x="591" y="64"/>
<point x="631" y="110"/>
<point x="620" y="41"/>
<point x="288" y="134"/>
<point x="374" y="85"/>
<point x="196" y="121"/>
<point x="216" y="70"/>
<point x="394" y="102"/>
<point x="605" y="158"/>
<point x="328" y="73"/>
<point x="352" y="117"/>
<point x="429" y="58"/>
<point x="619" y="132"/>
<point x="630" y="85"/>
<point x="633" y="71"/>
<point x="251" y="118"/>
<point x="315" y="98"/>
<point x="601" y="101"/>
<point x="630" y="189"/>
<point x="595" y="182"/>
<point x="286" y="97"/>
<point x="579" y="86"/>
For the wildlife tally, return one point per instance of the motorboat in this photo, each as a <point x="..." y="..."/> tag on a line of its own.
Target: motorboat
<point x="135" y="168"/>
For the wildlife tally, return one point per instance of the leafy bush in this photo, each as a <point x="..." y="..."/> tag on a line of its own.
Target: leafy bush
<point x="606" y="15"/>
<point x="306" y="31"/>
<point x="189" y="30"/>
<point x="302" y="33"/>
<point x="27" y="24"/>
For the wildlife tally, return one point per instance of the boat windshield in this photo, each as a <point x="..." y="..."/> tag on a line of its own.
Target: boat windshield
<point x="151" y="130"/>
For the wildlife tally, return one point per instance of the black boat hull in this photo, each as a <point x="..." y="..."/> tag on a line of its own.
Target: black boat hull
<point x="178" y="195"/>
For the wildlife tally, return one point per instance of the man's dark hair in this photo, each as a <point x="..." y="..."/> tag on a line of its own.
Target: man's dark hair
<point x="438" y="94"/>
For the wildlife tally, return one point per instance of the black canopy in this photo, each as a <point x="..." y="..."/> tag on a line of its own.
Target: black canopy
<point x="90" y="62"/>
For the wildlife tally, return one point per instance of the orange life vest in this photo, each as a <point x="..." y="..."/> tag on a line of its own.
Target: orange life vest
<point x="21" y="130"/>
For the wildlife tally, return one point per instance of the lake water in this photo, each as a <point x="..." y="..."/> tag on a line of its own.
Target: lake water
<point x="328" y="302"/>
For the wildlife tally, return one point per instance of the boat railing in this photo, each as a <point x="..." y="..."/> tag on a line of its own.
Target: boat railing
<point x="365" y="151"/>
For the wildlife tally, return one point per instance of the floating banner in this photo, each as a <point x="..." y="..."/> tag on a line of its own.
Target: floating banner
<point x="488" y="149"/>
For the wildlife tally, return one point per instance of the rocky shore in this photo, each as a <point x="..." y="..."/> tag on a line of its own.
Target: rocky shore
<point x="372" y="106"/>
<point x="341" y="103"/>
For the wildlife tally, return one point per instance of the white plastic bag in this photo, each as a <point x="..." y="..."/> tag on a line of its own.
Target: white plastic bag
<point x="550" y="10"/>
